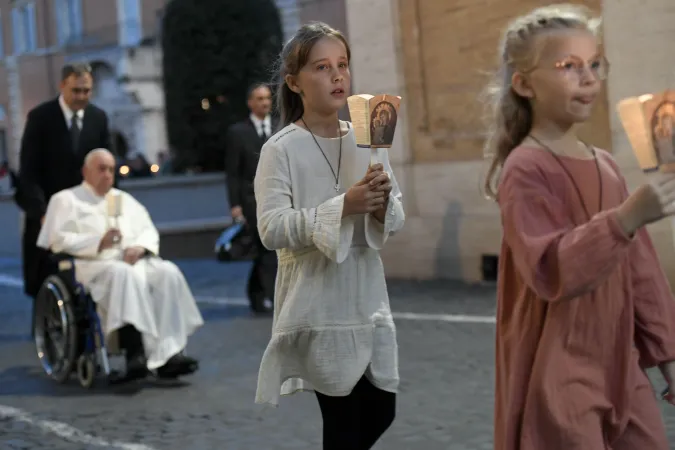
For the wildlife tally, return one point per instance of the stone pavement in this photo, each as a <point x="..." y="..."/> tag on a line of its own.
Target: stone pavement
<point x="445" y="400"/>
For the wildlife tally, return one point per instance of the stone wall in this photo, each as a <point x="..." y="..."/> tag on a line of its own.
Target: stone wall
<point x="639" y="40"/>
<point x="436" y="54"/>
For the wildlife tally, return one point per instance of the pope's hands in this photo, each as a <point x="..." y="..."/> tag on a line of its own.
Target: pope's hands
<point x="109" y="239"/>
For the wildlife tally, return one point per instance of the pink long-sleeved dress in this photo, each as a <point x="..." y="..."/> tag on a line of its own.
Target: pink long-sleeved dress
<point x="582" y="310"/>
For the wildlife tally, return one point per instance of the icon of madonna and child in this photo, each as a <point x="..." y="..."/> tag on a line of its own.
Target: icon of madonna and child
<point x="383" y="124"/>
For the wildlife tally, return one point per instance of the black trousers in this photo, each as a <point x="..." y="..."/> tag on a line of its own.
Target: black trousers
<point x="264" y="271"/>
<point x="356" y="421"/>
<point x="263" y="274"/>
<point x="130" y="340"/>
<point x="34" y="259"/>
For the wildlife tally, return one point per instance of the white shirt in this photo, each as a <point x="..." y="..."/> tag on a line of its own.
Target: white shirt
<point x="332" y="322"/>
<point x="262" y="125"/>
<point x="68" y="113"/>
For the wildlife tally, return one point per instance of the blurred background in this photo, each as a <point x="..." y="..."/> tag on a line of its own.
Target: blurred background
<point x="172" y="76"/>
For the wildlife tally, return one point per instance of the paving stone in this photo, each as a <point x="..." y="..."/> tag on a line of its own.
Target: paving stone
<point x="445" y="400"/>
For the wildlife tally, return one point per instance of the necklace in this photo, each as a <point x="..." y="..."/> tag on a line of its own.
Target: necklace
<point x="574" y="183"/>
<point x="335" y="175"/>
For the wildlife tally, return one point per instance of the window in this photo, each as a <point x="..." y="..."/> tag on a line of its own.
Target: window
<point x="24" y="33"/>
<point x="68" y="21"/>
<point x="129" y="19"/>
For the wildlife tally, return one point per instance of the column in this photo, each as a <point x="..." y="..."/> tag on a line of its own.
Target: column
<point x="290" y="17"/>
<point x="129" y="22"/>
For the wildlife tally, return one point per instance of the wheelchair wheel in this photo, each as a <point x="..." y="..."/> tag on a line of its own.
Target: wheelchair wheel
<point x="86" y="370"/>
<point x="56" y="332"/>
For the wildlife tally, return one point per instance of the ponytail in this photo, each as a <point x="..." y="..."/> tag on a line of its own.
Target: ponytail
<point x="289" y="105"/>
<point x="511" y="120"/>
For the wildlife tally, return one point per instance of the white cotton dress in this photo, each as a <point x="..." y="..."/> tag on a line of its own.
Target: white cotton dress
<point x="332" y="321"/>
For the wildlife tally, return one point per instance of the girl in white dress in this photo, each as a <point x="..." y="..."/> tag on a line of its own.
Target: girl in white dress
<point x="327" y="214"/>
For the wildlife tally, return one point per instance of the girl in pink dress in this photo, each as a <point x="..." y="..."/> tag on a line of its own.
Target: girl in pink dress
<point x="583" y="305"/>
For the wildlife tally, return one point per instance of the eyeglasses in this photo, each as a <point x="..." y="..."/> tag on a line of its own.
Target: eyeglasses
<point x="573" y="66"/>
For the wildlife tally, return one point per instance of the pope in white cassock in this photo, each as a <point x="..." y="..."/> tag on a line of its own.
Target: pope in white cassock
<point x="120" y="266"/>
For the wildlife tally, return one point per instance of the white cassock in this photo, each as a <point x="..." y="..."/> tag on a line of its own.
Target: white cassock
<point x="152" y="295"/>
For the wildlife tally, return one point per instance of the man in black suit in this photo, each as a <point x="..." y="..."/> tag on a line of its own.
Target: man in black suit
<point x="245" y="139"/>
<point x="58" y="135"/>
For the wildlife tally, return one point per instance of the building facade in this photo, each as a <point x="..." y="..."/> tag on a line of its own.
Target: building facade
<point x="120" y="39"/>
<point x="434" y="53"/>
<point x="116" y="37"/>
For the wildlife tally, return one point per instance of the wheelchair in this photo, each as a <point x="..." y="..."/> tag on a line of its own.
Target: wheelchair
<point x="67" y="329"/>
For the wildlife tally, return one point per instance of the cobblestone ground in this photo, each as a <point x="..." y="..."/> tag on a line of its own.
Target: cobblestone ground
<point x="445" y="400"/>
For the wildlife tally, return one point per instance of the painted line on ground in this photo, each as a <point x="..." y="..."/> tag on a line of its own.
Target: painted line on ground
<point x="10" y="281"/>
<point x="222" y="301"/>
<point x="65" y="431"/>
<point x="437" y="317"/>
<point x="454" y="318"/>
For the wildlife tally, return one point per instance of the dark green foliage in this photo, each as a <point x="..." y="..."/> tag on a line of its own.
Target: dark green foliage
<point x="213" y="50"/>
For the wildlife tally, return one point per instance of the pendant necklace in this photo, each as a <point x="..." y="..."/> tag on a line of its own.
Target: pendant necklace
<point x="574" y="183"/>
<point x="336" y="176"/>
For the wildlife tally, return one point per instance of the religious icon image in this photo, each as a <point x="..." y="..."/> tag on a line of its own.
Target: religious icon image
<point x="662" y="123"/>
<point x="383" y="124"/>
<point x="374" y="121"/>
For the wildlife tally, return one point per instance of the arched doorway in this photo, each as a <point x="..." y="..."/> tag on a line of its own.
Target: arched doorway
<point x="106" y="87"/>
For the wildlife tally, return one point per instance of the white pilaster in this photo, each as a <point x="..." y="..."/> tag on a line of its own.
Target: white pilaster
<point x="377" y="68"/>
<point x="290" y="16"/>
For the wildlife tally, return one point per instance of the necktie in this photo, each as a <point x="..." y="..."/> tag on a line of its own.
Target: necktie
<point x="74" y="133"/>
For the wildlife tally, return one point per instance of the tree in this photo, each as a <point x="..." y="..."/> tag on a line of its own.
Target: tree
<point x="212" y="52"/>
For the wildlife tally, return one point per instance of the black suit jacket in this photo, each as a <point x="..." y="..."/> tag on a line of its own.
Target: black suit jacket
<point x="49" y="164"/>
<point x="241" y="162"/>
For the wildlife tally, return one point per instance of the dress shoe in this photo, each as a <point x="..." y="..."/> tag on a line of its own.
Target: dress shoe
<point x="178" y="365"/>
<point x="136" y="368"/>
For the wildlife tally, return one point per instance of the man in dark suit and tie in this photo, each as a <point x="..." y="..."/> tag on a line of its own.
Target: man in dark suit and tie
<point x="58" y="135"/>
<point x="245" y="139"/>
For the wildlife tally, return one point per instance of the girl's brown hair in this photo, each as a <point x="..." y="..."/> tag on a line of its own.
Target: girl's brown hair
<point x="510" y="115"/>
<point x="293" y="58"/>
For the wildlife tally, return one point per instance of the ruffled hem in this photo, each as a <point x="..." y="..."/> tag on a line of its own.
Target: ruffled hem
<point x="304" y="360"/>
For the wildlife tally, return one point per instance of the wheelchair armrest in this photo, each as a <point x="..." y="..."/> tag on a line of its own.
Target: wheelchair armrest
<point x="62" y="262"/>
<point x="63" y="265"/>
<point x="60" y="256"/>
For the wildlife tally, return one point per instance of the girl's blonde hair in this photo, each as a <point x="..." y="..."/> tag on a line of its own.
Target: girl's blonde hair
<point x="510" y="115"/>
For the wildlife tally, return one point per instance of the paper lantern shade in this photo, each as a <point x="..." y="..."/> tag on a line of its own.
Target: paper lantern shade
<point x="649" y="122"/>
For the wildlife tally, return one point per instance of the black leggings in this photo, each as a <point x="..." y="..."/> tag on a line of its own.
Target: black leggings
<point x="356" y="421"/>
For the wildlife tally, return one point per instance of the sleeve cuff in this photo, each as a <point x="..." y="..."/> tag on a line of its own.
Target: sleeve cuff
<point x="377" y="232"/>
<point x="330" y="233"/>
<point x="617" y="231"/>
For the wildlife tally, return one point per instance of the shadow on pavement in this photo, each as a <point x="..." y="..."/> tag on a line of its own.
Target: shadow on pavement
<point x="32" y="381"/>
